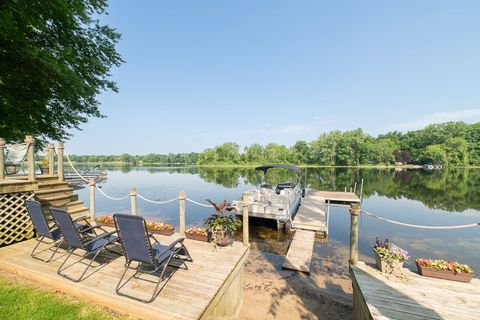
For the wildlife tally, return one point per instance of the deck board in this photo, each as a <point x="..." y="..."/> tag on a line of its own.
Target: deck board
<point x="187" y="294"/>
<point x="416" y="297"/>
<point x="311" y="215"/>
<point x="335" y="197"/>
<point x="299" y="255"/>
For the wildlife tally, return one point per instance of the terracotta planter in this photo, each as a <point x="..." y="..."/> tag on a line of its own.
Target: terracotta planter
<point x="196" y="236"/>
<point x="446" y="275"/>
<point x="44" y="168"/>
<point x="162" y="232"/>
<point x="395" y="267"/>
<point x="223" y="238"/>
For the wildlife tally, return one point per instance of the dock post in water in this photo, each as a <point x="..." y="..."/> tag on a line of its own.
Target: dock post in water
<point x="2" y="158"/>
<point x="60" y="161"/>
<point x="91" y="185"/>
<point x="51" y="159"/>
<point x="133" y="200"/>
<point x="29" y="140"/>
<point x="246" y="241"/>
<point x="354" y="213"/>
<point x="181" y="199"/>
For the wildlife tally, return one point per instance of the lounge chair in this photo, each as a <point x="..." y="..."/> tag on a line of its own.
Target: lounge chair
<point x="80" y="240"/>
<point x="45" y="229"/>
<point x="137" y="246"/>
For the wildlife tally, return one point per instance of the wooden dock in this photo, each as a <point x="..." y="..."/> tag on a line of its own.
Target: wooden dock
<point x="336" y="197"/>
<point x="299" y="255"/>
<point x="209" y="289"/>
<point x="312" y="215"/>
<point x="413" y="298"/>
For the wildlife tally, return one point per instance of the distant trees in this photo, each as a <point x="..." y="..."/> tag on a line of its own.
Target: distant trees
<point x="451" y="143"/>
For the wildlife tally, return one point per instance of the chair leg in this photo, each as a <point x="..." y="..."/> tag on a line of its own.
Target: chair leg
<point x="55" y="251"/>
<point x="127" y="266"/>
<point x="39" y="240"/>
<point x="85" y="270"/>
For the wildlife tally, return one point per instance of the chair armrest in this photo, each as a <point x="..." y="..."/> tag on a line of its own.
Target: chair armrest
<point x="81" y="218"/>
<point x="103" y="235"/>
<point x="150" y="235"/>
<point x="170" y="247"/>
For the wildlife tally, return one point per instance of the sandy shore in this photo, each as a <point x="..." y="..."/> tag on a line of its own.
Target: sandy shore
<point x="273" y="293"/>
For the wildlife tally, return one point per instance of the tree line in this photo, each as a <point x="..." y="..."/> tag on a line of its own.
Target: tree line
<point x="450" y="143"/>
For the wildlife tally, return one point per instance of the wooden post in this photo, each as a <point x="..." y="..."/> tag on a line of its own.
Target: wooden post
<point x="246" y="241"/>
<point x="354" y="213"/>
<point x="30" y="157"/>
<point x="60" y="161"/>
<point x="92" y="198"/>
<point x="181" y="199"/>
<point x="51" y="159"/>
<point x="3" y="143"/>
<point x="133" y="200"/>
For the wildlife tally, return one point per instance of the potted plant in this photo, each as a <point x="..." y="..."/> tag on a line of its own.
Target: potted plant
<point x="44" y="166"/>
<point x="197" y="233"/>
<point x="105" y="221"/>
<point x="448" y="270"/>
<point x="389" y="257"/>
<point x="222" y="224"/>
<point x="160" y="228"/>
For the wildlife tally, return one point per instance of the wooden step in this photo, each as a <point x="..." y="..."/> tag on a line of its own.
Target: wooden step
<point x="52" y="185"/>
<point x="58" y="201"/>
<point x="46" y="191"/>
<point x="78" y="209"/>
<point x="299" y="255"/>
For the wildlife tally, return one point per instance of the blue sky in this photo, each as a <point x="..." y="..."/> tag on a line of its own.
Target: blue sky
<point x="199" y="73"/>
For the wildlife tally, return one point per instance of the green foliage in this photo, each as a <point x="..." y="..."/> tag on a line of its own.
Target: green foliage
<point x="55" y="58"/>
<point x="222" y="219"/>
<point x="20" y="301"/>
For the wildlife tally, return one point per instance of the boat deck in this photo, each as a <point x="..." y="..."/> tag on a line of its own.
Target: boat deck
<point x="210" y="288"/>
<point x="415" y="297"/>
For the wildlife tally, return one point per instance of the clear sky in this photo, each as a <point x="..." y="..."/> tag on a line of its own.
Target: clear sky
<point x="199" y="73"/>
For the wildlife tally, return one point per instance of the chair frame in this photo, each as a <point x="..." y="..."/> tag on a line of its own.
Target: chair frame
<point x="175" y="247"/>
<point x="85" y="241"/>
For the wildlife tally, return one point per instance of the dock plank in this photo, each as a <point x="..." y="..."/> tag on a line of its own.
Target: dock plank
<point x="311" y="215"/>
<point x="335" y="197"/>
<point x="414" y="297"/>
<point x="299" y="255"/>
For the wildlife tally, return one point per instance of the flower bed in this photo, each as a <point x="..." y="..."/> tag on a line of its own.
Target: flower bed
<point x="105" y="221"/>
<point x="196" y="233"/>
<point x="447" y="270"/>
<point x="152" y="227"/>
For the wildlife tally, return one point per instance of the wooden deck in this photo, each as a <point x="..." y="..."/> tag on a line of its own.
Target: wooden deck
<point x="311" y="215"/>
<point x="335" y="197"/>
<point x="417" y="297"/>
<point x="299" y="255"/>
<point x="210" y="288"/>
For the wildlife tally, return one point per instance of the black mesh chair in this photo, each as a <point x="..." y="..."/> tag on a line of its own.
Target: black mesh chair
<point x="47" y="229"/>
<point x="137" y="247"/>
<point x="92" y="245"/>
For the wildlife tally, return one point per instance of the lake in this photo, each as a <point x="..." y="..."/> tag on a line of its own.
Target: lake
<point x="446" y="197"/>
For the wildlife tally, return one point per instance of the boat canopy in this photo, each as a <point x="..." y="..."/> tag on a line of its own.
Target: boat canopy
<point x="291" y="167"/>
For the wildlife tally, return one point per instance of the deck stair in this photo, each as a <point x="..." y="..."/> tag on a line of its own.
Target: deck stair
<point x="51" y="192"/>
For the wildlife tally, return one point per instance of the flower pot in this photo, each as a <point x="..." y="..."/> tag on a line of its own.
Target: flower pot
<point x="165" y="232"/>
<point x="393" y="267"/>
<point x="10" y="169"/>
<point x="444" y="274"/>
<point x="197" y="236"/>
<point x="44" y="168"/>
<point x="222" y="238"/>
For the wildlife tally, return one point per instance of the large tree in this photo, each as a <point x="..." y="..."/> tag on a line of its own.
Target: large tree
<point x="55" y="58"/>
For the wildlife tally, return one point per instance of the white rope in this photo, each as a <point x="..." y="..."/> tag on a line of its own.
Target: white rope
<point x="198" y="203"/>
<point x="78" y="174"/>
<point x="157" y="202"/>
<point x="422" y="227"/>
<point x="110" y="197"/>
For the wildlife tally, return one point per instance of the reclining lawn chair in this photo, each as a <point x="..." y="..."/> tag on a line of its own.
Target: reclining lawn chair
<point x="137" y="246"/>
<point x="46" y="231"/>
<point x="80" y="240"/>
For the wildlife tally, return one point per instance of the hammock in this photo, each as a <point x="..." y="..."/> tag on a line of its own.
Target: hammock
<point x="15" y="155"/>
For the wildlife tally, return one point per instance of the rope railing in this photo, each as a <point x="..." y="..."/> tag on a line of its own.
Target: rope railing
<point x="110" y="197"/>
<point x="199" y="203"/>
<point x="420" y="226"/>
<point x="75" y="170"/>
<point x="156" y="201"/>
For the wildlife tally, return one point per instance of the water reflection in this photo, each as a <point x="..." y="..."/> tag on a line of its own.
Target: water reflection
<point x="447" y="197"/>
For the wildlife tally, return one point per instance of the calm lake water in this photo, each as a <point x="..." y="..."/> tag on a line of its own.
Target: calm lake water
<point x="447" y="197"/>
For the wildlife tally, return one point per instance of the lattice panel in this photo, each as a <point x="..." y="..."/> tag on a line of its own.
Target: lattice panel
<point x="15" y="224"/>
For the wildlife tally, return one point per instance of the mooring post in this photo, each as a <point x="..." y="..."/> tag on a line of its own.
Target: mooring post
<point x="60" y="161"/>
<point x="181" y="199"/>
<point x="30" y="157"/>
<point x="3" y="144"/>
<point x="354" y="213"/>
<point x="133" y="200"/>
<point x="92" y="198"/>
<point x="51" y="159"/>
<point x="246" y="241"/>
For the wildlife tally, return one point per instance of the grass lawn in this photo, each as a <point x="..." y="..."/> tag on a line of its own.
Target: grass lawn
<point x="20" y="300"/>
